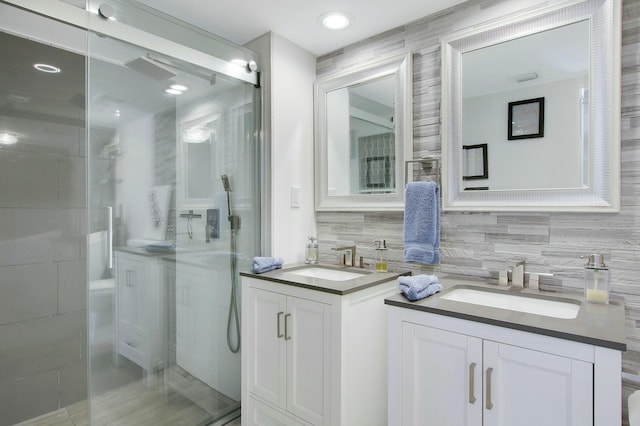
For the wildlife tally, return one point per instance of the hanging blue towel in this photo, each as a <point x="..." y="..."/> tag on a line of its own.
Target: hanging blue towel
<point x="422" y="223"/>
<point x="266" y="264"/>
<point x="419" y="286"/>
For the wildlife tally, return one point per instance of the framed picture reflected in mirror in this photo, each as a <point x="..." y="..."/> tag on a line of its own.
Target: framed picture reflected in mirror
<point x="377" y="172"/>
<point x="526" y="119"/>
<point x="475" y="162"/>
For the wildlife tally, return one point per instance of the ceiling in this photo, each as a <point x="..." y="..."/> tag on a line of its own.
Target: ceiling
<point x="241" y="21"/>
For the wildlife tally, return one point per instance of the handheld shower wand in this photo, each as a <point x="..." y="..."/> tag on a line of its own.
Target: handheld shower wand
<point x="234" y="221"/>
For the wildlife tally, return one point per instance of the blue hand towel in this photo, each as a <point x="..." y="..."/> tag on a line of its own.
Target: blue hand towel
<point x="422" y="223"/>
<point x="419" y="286"/>
<point x="266" y="264"/>
<point x="161" y="247"/>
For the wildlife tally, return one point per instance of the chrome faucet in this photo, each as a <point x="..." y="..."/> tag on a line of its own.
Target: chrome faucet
<point x="517" y="274"/>
<point x="349" y="254"/>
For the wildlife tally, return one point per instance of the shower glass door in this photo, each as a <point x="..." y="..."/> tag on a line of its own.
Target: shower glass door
<point x="173" y="216"/>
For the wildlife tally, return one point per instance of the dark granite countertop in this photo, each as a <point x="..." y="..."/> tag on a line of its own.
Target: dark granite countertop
<point x="287" y="276"/>
<point x="596" y="324"/>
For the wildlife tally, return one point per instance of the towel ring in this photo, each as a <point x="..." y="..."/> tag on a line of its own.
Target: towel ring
<point x="425" y="161"/>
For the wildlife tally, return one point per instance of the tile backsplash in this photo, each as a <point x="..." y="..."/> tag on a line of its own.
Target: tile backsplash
<point x="479" y="244"/>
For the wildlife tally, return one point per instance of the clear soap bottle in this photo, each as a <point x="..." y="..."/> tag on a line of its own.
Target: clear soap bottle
<point x="596" y="279"/>
<point x="311" y="252"/>
<point x="381" y="256"/>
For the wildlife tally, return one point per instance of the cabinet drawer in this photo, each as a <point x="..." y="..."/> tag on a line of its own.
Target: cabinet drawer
<point x="133" y="346"/>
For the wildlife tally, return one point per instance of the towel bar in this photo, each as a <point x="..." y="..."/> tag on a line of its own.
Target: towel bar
<point x="631" y="376"/>
<point x="434" y="162"/>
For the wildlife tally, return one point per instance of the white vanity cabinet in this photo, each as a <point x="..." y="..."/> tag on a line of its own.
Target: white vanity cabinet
<point x="451" y="371"/>
<point x="290" y="344"/>
<point x="311" y="357"/>
<point x="140" y="309"/>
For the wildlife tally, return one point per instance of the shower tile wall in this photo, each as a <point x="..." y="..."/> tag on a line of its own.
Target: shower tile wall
<point x="42" y="283"/>
<point x="478" y="243"/>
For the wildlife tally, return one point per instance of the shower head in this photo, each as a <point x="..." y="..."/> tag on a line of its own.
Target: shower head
<point x="150" y="68"/>
<point x="225" y="183"/>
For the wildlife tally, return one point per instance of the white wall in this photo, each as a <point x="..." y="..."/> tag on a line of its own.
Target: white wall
<point x="288" y="94"/>
<point x="339" y="143"/>
<point x="135" y="168"/>
<point x="547" y="162"/>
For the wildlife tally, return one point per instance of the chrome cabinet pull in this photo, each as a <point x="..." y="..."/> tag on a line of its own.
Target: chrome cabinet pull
<point x="472" y="379"/>
<point x="489" y="404"/>
<point x="278" y="319"/>
<point x="286" y="332"/>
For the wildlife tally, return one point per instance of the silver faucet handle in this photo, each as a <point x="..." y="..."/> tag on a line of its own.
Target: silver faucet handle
<point x="349" y="255"/>
<point x="517" y="274"/>
<point x="503" y="278"/>
<point x="534" y="281"/>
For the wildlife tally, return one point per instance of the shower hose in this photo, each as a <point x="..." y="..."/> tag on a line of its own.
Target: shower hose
<point x="233" y="303"/>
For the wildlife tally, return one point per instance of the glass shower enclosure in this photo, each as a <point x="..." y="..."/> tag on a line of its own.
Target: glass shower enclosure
<point x="154" y="187"/>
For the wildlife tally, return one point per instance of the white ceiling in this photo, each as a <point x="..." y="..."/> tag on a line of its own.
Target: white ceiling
<point x="241" y="21"/>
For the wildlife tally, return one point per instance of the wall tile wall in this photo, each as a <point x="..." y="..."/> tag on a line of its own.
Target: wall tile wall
<point x="42" y="267"/>
<point x="478" y="243"/>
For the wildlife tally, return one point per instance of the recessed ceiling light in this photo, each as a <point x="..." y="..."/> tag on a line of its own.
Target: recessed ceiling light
<point x="179" y="87"/>
<point x="47" y="68"/>
<point x="173" y="92"/>
<point x="335" y="20"/>
<point x="8" y="138"/>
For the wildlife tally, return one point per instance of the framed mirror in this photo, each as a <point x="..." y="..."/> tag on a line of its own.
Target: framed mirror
<point x="363" y="132"/>
<point x="198" y="161"/>
<point x="541" y="91"/>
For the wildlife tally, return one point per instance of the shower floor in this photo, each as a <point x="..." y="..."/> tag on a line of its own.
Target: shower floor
<point x="76" y="415"/>
<point x="147" y="408"/>
<point x="121" y="398"/>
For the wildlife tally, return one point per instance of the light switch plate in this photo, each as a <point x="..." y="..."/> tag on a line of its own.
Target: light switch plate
<point x="295" y="197"/>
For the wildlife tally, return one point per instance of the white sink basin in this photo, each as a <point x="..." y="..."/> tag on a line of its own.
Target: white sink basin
<point x="529" y="305"/>
<point x="327" y="274"/>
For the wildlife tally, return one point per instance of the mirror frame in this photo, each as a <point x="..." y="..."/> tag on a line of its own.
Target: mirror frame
<point x="602" y="193"/>
<point x="400" y="65"/>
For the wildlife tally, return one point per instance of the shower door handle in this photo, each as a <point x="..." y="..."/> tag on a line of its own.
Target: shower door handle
<point x="110" y="237"/>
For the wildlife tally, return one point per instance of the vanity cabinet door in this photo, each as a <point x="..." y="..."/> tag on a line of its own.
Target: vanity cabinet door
<point x="441" y="378"/>
<point x="288" y="345"/>
<point x="130" y="286"/>
<point x="265" y="345"/>
<point x="451" y="378"/>
<point x="526" y="387"/>
<point x="140" y="331"/>
<point x="307" y="331"/>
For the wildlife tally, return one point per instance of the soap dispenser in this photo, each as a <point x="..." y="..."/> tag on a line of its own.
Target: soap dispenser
<point x="311" y="252"/>
<point x="381" y="258"/>
<point x="596" y="279"/>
